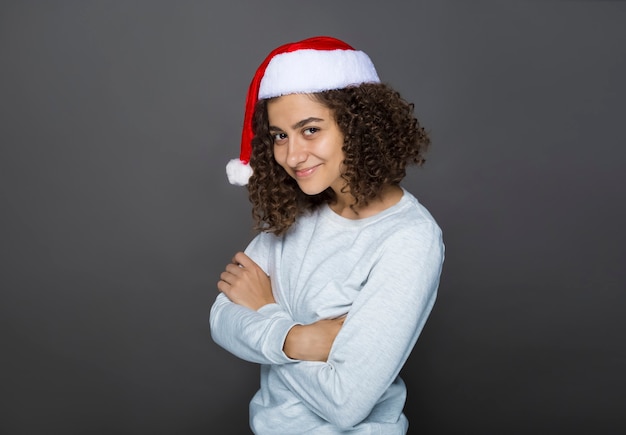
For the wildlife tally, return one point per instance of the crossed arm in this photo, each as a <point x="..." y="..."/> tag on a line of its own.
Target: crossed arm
<point x="339" y="376"/>
<point x="246" y="284"/>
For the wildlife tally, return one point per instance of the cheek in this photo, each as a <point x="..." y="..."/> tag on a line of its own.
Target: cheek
<point x="335" y="152"/>
<point x="279" y="155"/>
<point x="334" y="147"/>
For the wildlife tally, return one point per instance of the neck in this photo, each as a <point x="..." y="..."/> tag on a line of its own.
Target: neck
<point x="344" y="204"/>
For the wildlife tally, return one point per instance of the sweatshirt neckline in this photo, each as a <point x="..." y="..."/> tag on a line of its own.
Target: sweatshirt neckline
<point x="328" y="213"/>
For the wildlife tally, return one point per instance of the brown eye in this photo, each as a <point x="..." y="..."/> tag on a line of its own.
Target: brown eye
<point x="279" y="138"/>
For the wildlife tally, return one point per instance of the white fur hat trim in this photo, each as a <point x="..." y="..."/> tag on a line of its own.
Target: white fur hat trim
<point x="308" y="71"/>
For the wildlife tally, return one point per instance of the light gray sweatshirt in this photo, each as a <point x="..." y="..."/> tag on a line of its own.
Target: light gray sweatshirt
<point x="383" y="271"/>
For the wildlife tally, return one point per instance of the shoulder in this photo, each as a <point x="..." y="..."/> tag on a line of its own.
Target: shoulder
<point x="411" y="234"/>
<point x="261" y="241"/>
<point x="412" y="217"/>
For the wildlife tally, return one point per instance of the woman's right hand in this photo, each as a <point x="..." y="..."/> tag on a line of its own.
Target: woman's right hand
<point x="312" y="342"/>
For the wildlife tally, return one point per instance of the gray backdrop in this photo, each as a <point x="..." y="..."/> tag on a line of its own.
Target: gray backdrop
<point x="118" y="117"/>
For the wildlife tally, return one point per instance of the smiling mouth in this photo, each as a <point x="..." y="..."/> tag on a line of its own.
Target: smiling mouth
<point x="303" y="173"/>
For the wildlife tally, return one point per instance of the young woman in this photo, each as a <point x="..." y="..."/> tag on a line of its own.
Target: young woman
<point x="332" y="294"/>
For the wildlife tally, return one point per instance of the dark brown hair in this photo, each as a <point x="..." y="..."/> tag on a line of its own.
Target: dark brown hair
<point x="381" y="136"/>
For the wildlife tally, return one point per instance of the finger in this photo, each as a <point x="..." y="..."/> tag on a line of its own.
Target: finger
<point x="243" y="260"/>
<point x="233" y="269"/>
<point x="223" y="286"/>
<point x="227" y="277"/>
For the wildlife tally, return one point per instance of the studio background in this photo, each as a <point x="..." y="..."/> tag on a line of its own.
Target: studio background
<point x="118" y="118"/>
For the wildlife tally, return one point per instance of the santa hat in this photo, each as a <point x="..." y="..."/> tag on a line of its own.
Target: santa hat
<point x="312" y="65"/>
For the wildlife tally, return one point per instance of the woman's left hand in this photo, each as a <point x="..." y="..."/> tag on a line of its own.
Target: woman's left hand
<point x="245" y="283"/>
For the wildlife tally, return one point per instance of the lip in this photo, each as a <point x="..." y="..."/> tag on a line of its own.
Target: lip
<point x="307" y="172"/>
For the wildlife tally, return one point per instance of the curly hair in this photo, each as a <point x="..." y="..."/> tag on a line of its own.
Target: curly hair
<point x="381" y="136"/>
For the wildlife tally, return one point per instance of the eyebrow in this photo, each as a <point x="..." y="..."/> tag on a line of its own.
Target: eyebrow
<point x="298" y="124"/>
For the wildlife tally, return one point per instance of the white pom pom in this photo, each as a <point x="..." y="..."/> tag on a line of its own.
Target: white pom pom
<point x="238" y="172"/>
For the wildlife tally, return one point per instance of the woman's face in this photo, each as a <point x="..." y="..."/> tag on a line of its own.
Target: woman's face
<point x="307" y="142"/>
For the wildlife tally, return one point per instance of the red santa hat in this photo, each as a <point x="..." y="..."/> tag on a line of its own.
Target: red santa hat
<point x="312" y="65"/>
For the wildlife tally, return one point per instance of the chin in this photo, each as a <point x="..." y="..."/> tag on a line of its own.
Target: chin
<point x="311" y="190"/>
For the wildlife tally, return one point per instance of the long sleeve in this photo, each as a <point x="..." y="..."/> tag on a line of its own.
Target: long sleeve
<point x="255" y="336"/>
<point x="379" y="333"/>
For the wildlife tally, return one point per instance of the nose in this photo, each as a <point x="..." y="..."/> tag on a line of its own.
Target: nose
<point x="296" y="152"/>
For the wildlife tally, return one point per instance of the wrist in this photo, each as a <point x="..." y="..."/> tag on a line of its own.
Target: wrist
<point x="293" y="342"/>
